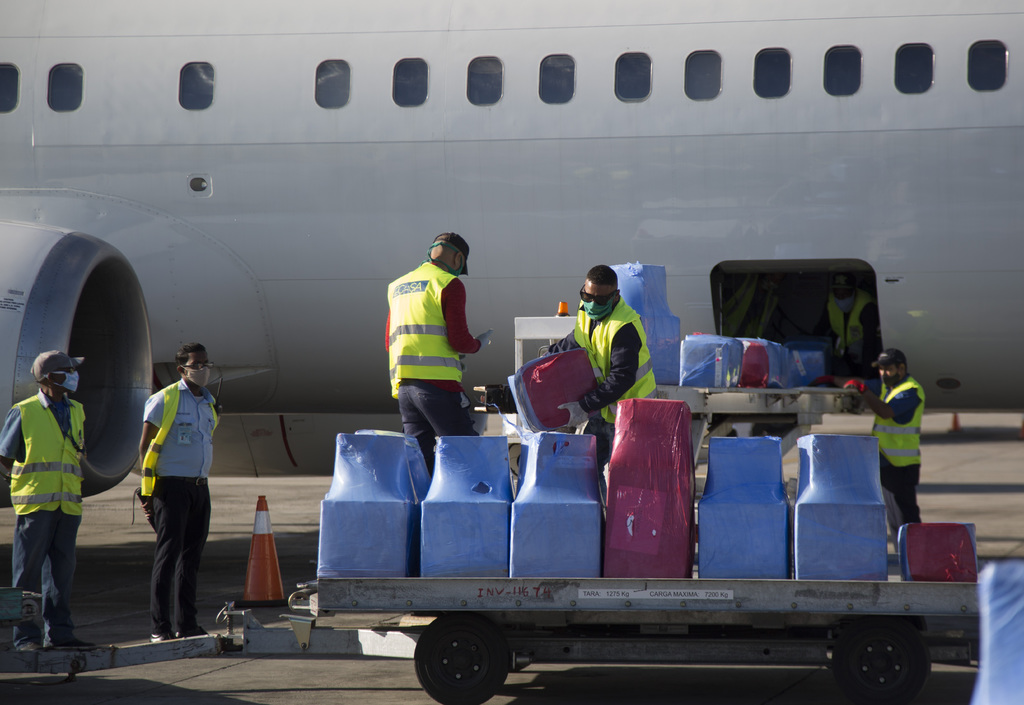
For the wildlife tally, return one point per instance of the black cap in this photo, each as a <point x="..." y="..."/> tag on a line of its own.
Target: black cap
<point x="456" y="240"/>
<point x="842" y="280"/>
<point x="890" y="356"/>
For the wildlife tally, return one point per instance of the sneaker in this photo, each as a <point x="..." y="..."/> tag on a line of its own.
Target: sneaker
<point x="161" y="636"/>
<point x="30" y="646"/>
<point x="72" y="643"/>
<point x="194" y="631"/>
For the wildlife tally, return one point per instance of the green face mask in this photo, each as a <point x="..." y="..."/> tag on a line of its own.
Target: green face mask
<point x="596" y="311"/>
<point x="454" y="272"/>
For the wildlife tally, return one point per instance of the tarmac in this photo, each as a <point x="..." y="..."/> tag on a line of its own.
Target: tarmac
<point x="972" y="475"/>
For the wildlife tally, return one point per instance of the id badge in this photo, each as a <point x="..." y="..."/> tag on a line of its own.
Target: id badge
<point x="185" y="434"/>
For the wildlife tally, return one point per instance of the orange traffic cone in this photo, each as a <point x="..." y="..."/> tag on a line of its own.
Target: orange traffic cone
<point x="263" y="587"/>
<point x="956" y="423"/>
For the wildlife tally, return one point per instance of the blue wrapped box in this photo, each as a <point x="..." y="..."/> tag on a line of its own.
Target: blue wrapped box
<point x="808" y="360"/>
<point x="1001" y="604"/>
<point x="465" y="517"/>
<point x="556" y="516"/>
<point x="710" y="361"/>
<point x="644" y="288"/>
<point x="744" y="512"/>
<point x="368" y="518"/>
<point x="839" y="528"/>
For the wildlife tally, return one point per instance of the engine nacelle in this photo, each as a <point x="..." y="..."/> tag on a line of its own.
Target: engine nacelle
<point x="73" y="292"/>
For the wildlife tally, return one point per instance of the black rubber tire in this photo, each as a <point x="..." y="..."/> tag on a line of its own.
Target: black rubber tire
<point x="461" y="659"/>
<point x="881" y="661"/>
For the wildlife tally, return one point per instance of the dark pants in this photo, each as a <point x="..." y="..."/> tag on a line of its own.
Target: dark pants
<point x="429" y="411"/>
<point x="899" y="489"/>
<point x="604" y="432"/>
<point x="181" y="514"/>
<point x="43" y="560"/>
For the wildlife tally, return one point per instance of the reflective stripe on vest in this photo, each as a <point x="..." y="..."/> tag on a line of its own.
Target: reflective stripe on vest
<point x="849" y="337"/>
<point x="418" y="346"/>
<point x="599" y="350"/>
<point x="900" y="443"/>
<point x="172" y="395"/>
<point x="51" y="476"/>
<point x="738" y="320"/>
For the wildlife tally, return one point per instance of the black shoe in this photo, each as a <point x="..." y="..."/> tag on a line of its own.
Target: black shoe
<point x="72" y="644"/>
<point x="194" y="631"/>
<point x="161" y="636"/>
<point x="30" y="646"/>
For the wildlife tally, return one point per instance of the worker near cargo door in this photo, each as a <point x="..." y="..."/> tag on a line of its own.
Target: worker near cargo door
<point x="752" y="310"/>
<point x="613" y="336"/>
<point x="426" y="337"/>
<point x="898" y="402"/>
<point x="851" y="321"/>
<point x="41" y="446"/>
<point x="177" y="452"/>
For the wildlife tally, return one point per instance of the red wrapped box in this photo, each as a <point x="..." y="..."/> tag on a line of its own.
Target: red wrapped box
<point x="542" y="385"/>
<point x="938" y="553"/>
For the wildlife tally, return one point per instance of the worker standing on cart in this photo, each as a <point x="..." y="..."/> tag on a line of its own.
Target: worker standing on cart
<point x="426" y="334"/>
<point x="898" y="402"/>
<point x="613" y="336"/>
<point x="41" y="445"/>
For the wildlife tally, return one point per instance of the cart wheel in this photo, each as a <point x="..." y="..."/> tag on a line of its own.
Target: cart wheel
<point x="879" y="661"/>
<point x="461" y="659"/>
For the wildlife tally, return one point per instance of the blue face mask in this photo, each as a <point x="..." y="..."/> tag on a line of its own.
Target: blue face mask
<point x="596" y="311"/>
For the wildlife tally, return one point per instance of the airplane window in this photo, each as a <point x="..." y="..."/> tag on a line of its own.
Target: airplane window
<point x="410" y="83"/>
<point x="772" y="71"/>
<point x="483" y="81"/>
<point x="333" y="80"/>
<point x="65" y="88"/>
<point x="557" y="79"/>
<point x="8" y="87"/>
<point x="195" y="87"/>
<point x="914" y="68"/>
<point x="703" y="77"/>
<point x="633" y="77"/>
<point x="986" y="66"/>
<point x="842" y="70"/>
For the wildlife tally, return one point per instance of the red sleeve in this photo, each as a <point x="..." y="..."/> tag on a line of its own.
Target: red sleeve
<point x="453" y="304"/>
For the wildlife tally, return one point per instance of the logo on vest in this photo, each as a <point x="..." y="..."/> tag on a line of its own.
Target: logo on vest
<point x="410" y="288"/>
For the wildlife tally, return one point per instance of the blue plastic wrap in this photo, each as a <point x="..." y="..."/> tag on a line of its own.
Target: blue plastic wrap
<point x="938" y="552"/>
<point x="644" y="289"/>
<point x="777" y="374"/>
<point x="808" y="360"/>
<point x="465" y="517"/>
<point x="556" y="516"/>
<point x="744" y="512"/>
<point x="369" y="516"/>
<point x="839" y="528"/>
<point x="710" y="361"/>
<point x="540" y="386"/>
<point x="1001" y="603"/>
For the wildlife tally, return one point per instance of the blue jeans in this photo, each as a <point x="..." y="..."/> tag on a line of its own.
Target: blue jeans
<point x="429" y="411"/>
<point x="44" y="557"/>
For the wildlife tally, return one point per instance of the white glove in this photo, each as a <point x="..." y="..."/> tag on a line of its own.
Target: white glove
<point x="576" y="413"/>
<point x="485" y="338"/>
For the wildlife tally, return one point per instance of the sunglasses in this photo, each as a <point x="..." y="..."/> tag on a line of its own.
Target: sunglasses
<point x="599" y="300"/>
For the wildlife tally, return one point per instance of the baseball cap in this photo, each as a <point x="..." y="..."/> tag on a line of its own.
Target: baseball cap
<point x="842" y="280"/>
<point x="890" y="356"/>
<point x="457" y="241"/>
<point x="51" y="361"/>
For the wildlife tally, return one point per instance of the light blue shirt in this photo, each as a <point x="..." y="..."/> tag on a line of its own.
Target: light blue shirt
<point x="188" y="450"/>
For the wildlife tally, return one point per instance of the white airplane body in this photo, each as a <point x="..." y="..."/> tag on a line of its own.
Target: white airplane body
<point x="267" y="227"/>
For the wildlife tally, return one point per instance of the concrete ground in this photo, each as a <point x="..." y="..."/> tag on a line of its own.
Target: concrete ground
<point x="975" y="475"/>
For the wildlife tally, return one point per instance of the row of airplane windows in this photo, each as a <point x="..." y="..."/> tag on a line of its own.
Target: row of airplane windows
<point x="913" y="73"/>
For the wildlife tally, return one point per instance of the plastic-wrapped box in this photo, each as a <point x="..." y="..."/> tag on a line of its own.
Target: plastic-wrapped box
<point x="765" y="364"/>
<point x="542" y="385"/>
<point x="1001" y="604"/>
<point x="744" y="512"/>
<point x="556" y="516"/>
<point x="650" y="529"/>
<point x="369" y="516"/>
<point x="465" y="517"/>
<point x="938" y="552"/>
<point x="644" y="288"/>
<point x="710" y="361"/>
<point x="808" y="360"/>
<point x="839" y="527"/>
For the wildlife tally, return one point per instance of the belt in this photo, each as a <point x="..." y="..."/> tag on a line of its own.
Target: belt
<point x="190" y="480"/>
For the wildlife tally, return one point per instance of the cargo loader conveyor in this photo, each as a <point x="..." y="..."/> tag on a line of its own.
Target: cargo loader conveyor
<point x="879" y="638"/>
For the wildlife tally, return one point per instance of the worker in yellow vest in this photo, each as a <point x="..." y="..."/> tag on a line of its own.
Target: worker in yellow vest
<point x="613" y="335"/>
<point x="752" y="309"/>
<point x="177" y="452"/>
<point x="426" y="337"/>
<point x="851" y="321"/>
<point x="898" y="402"/>
<point x="41" y="446"/>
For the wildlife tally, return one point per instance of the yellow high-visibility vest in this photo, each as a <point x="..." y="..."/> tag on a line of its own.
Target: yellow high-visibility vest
<point x="737" y="320"/>
<point x="900" y="443"/>
<point x="849" y="336"/>
<point x="51" y="476"/>
<point x="599" y="350"/>
<point x="418" y="345"/>
<point x="172" y="396"/>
